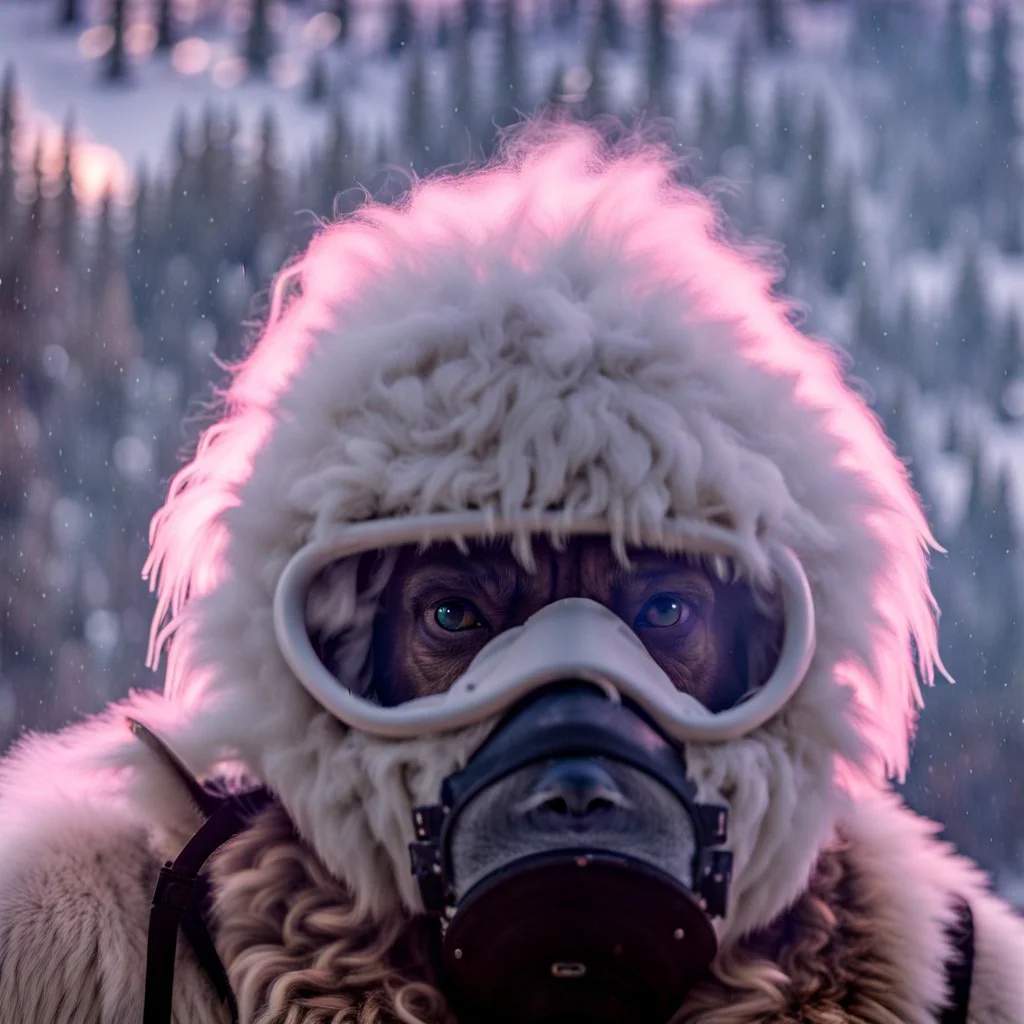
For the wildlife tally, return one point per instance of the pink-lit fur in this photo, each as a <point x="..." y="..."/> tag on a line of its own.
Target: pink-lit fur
<point x="564" y="329"/>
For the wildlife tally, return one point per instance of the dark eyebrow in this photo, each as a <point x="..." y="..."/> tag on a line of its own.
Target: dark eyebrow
<point x="655" y="570"/>
<point x="502" y="582"/>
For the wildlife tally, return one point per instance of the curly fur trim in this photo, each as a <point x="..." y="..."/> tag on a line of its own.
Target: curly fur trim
<point x="300" y="952"/>
<point x="818" y="964"/>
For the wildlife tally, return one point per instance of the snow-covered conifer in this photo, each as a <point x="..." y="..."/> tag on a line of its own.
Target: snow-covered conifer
<point x="116" y="66"/>
<point x="403" y="27"/>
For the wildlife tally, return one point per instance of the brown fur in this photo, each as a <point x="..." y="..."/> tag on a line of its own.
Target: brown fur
<point x="297" y="953"/>
<point x="818" y="964"/>
<point x="414" y="656"/>
<point x="296" y="950"/>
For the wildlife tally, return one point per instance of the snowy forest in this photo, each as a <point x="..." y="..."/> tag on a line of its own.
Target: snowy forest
<point x="875" y="145"/>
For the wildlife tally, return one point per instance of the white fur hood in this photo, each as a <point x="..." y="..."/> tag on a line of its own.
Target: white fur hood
<point x="564" y="330"/>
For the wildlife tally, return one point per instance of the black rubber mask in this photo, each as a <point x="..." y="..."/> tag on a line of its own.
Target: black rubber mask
<point x="574" y="934"/>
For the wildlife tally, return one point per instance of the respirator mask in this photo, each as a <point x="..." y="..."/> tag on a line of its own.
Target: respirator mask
<point x="579" y="929"/>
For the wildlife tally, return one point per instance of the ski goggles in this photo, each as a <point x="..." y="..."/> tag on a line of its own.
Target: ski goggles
<point x="573" y="639"/>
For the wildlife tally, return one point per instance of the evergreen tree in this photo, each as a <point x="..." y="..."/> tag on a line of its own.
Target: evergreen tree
<point x="117" y="59"/>
<point x="68" y="13"/>
<point x="556" y="89"/>
<point x="999" y="556"/>
<point x="36" y="219"/>
<point x="990" y="546"/>
<point x="900" y="424"/>
<point x="843" y="251"/>
<point x="180" y="206"/>
<point x="164" y="25"/>
<point x="737" y="127"/>
<point x="316" y="79"/>
<point x="212" y="203"/>
<point x="472" y="14"/>
<point x="969" y="321"/>
<point x="869" y="334"/>
<point x="7" y="172"/>
<point x="881" y="158"/>
<point x="336" y="172"/>
<point x="1004" y="125"/>
<point x="108" y="342"/>
<point x="258" y="41"/>
<point x="925" y="210"/>
<point x="403" y="27"/>
<point x="103" y="258"/>
<point x="931" y="361"/>
<point x="596" y="99"/>
<point x="510" y="96"/>
<point x="875" y="32"/>
<point x="463" y="116"/>
<point x="772" y="18"/>
<point x="1008" y="369"/>
<point x="658" y="61"/>
<point x="140" y="241"/>
<point x="1001" y="530"/>
<point x="814" y="193"/>
<point x="67" y="207"/>
<point x="342" y="10"/>
<point x="953" y="442"/>
<point x="905" y="336"/>
<point x="443" y="39"/>
<point x="1011" y="235"/>
<point x="974" y="515"/>
<point x="783" y="130"/>
<point x="1001" y="83"/>
<point x="707" y="126"/>
<point x="953" y="69"/>
<point x="612" y="30"/>
<point x="566" y="14"/>
<point x="417" y="114"/>
<point x="266" y="207"/>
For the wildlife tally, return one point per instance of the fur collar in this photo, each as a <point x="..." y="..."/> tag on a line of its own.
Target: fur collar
<point x="299" y="950"/>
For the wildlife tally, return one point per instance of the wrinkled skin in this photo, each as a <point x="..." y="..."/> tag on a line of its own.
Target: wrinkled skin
<point x="441" y="606"/>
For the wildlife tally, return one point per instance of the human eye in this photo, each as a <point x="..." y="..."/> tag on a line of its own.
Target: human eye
<point x="664" y="611"/>
<point x="456" y="615"/>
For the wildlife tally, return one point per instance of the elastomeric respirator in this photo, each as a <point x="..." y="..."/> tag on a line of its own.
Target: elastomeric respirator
<point x="575" y="932"/>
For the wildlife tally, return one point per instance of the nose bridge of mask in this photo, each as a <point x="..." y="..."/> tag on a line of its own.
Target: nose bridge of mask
<point x="573" y="639"/>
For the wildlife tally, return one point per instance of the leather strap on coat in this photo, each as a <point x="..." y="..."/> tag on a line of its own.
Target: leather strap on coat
<point x="960" y="965"/>
<point x="181" y="898"/>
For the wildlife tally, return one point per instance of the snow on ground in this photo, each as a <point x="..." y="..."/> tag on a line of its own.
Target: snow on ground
<point x="121" y="125"/>
<point x="124" y="124"/>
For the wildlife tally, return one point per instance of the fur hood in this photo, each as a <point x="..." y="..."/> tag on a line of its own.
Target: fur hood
<point x="565" y="329"/>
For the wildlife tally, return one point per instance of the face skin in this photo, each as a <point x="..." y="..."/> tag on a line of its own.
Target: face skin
<point x="442" y="606"/>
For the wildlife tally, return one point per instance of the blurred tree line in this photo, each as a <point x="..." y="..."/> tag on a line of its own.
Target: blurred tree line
<point x="116" y="321"/>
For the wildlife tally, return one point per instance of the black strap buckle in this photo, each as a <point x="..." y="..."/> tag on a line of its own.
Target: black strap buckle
<point x="173" y="889"/>
<point x="715" y="820"/>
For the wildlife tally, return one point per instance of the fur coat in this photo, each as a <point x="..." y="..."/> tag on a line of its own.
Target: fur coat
<point x="865" y="943"/>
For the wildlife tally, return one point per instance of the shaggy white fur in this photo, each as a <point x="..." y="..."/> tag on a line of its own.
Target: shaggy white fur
<point x="77" y="872"/>
<point x="909" y="872"/>
<point x="562" y="331"/>
<point x="80" y="849"/>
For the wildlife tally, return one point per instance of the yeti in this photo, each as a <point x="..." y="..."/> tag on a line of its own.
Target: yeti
<point x="533" y="543"/>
